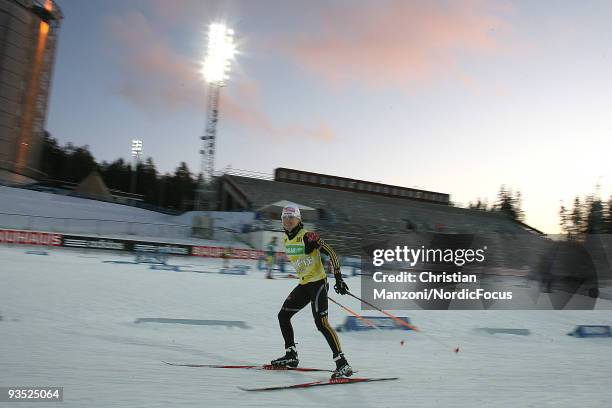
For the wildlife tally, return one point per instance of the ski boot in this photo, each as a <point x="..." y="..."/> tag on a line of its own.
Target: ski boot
<point x="290" y="359"/>
<point x="343" y="369"/>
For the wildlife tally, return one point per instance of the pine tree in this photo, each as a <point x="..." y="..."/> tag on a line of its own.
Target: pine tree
<point x="148" y="184"/>
<point x="607" y="225"/>
<point x="180" y="189"/>
<point x="508" y="204"/>
<point x="563" y="220"/>
<point x="53" y="158"/>
<point x="576" y="220"/>
<point x="116" y="175"/>
<point x="595" y="216"/>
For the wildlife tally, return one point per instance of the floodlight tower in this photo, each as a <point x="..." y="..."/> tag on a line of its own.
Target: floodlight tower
<point x="136" y="151"/>
<point x="215" y="69"/>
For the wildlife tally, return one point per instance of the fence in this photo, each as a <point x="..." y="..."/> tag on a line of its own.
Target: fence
<point x="92" y="226"/>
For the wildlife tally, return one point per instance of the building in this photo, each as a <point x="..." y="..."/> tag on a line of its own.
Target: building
<point x="28" y="40"/>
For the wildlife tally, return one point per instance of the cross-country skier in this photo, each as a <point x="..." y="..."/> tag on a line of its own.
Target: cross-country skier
<point x="304" y="248"/>
<point x="271" y="257"/>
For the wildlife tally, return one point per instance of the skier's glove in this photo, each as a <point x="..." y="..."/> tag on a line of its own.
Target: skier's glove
<point x="340" y="287"/>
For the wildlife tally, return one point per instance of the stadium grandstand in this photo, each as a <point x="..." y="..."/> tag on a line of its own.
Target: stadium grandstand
<point x="348" y="211"/>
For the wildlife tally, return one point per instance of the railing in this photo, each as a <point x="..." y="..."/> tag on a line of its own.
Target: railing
<point x="244" y="173"/>
<point x="92" y="226"/>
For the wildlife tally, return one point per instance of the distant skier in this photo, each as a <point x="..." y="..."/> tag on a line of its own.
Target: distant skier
<point x="304" y="248"/>
<point x="227" y="255"/>
<point x="271" y="257"/>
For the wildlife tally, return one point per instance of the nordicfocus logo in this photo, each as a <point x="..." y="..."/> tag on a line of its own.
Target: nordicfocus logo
<point x="295" y="250"/>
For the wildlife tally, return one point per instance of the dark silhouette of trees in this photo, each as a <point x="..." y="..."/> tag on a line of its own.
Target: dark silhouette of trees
<point x="71" y="163"/>
<point x="479" y="205"/>
<point x="509" y="204"/>
<point x="588" y="216"/>
<point x="180" y="188"/>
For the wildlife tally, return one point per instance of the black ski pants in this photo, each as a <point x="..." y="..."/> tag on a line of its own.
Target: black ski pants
<point x="314" y="293"/>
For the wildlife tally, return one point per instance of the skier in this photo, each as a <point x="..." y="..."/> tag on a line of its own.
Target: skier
<point x="226" y="255"/>
<point x="271" y="257"/>
<point x="304" y="249"/>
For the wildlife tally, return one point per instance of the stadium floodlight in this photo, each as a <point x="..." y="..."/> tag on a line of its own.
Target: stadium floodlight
<point x="215" y="69"/>
<point x="221" y="50"/>
<point x="136" y="150"/>
<point x="136" y="147"/>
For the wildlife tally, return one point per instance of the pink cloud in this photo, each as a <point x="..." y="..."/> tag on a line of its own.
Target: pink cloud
<point x="240" y="106"/>
<point x="397" y="43"/>
<point x="153" y="74"/>
<point x="158" y="79"/>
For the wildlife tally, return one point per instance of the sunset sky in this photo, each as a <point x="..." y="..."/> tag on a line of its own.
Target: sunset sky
<point x="458" y="97"/>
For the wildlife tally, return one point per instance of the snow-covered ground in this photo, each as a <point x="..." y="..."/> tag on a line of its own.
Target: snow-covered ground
<point x="24" y="209"/>
<point x="23" y="201"/>
<point x="68" y="319"/>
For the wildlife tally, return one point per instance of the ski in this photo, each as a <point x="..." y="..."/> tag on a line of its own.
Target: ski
<point x="333" y="381"/>
<point x="252" y="367"/>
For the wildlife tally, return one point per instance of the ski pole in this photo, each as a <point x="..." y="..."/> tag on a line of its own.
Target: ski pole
<point x="357" y="315"/>
<point x="395" y="318"/>
<point x="400" y="321"/>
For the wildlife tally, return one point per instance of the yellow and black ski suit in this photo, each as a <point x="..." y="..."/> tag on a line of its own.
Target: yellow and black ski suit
<point x="304" y="248"/>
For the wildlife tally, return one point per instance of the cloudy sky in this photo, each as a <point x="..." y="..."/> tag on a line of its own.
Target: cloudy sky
<point x="451" y="96"/>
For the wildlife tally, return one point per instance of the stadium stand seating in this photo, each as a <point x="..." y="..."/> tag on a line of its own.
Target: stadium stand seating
<point x="346" y="218"/>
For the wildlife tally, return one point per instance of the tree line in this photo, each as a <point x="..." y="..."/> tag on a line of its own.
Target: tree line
<point x="508" y="203"/>
<point x="588" y="215"/>
<point x="73" y="163"/>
